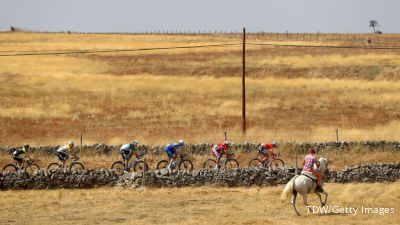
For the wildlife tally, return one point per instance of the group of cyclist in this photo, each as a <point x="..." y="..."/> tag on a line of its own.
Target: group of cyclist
<point x="128" y="150"/>
<point x="62" y="153"/>
<point x="172" y="150"/>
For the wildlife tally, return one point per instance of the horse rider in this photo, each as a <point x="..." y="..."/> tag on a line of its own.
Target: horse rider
<point x="308" y="165"/>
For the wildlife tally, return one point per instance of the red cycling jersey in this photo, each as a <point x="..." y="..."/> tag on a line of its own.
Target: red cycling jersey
<point x="265" y="149"/>
<point x="268" y="146"/>
<point x="219" y="148"/>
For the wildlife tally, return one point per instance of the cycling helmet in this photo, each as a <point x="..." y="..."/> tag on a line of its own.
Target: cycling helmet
<point x="274" y="144"/>
<point x="135" y="142"/>
<point x="181" y="142"/>
<point x="71" y="143"/>
<point x="226" y="143"/>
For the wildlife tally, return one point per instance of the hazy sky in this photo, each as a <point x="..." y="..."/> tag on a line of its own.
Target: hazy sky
<point x="225" y="15"/>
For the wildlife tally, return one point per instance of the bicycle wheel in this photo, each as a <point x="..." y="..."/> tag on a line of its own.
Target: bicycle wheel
<point x="118" y="167"/>
<point x="76" y="166"/>
<point x="255" y="163"/>
<point x="209" y="164"/>
<point x="185" y="165"/>
<point x="54" y="166"/>
<point x="32" y="168"/>
<point x="276" y="163"/>
<point x="162" y="164"/>
<point x="10" y="168"/>
<point x="139" y="166"/>
<point x="231" y="164"/>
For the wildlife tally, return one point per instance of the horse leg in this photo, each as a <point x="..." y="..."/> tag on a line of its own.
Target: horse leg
<point x="306" y="203"/>
<point x="320" y="199"/>
<point x="294" y="195"/>
<point x="326" y="197"/>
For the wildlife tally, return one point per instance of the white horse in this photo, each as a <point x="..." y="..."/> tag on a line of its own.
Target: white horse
<point x="304" y="185"/>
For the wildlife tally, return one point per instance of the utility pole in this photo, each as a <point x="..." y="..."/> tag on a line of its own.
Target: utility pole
<point x="244" y="82"/>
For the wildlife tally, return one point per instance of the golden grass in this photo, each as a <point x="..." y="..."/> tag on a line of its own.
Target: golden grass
<point x="291" y="110"/>
<point x="205" y="205"/>
<point x="158" y="97"/>
<point x="309" y="60"/>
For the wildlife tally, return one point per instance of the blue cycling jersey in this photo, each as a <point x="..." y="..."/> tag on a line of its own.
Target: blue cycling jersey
<point x="171" y="148"/>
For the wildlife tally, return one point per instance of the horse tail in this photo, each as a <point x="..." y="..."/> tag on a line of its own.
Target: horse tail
<point x="288" y="190"/>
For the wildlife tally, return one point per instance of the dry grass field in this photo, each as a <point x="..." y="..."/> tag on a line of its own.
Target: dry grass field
<point x="293" y="94"/>
<point x="205" y="205"/>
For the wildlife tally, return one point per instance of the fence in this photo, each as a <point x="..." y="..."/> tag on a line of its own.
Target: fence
<point x="346" y="39"/>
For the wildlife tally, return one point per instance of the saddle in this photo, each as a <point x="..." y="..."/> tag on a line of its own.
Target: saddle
<point x="309" y="175"/>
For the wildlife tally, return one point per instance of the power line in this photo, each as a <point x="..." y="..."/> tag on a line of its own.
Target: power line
<point x="91" y="51"/>
<point x="324" y="46"/>
<point x="68" y="52"/>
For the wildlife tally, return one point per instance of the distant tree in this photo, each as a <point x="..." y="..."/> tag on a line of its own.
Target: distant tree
<point x="373" y="24"/>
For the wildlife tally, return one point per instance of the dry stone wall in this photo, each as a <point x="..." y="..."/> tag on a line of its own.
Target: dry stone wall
<point x="242" y="177"/>
<point x="58" y="179"/>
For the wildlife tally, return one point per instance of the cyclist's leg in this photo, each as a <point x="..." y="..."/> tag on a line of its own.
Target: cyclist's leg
<point x="126" y="157"/>
<point x="129" y="157"/>
<point x="217" y="158"/>
<point x="19" y="161"/>
<point x="66" y="158"/>
<point x="62" y="157"/>
<point x="261" y="159"/>
<point x="170" y="159"/>
<point x="123" y="157"/>
<point x="176" y="155"/>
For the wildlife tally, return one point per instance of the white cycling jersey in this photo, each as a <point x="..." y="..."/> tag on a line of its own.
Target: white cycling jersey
<point x="63" y="149"/>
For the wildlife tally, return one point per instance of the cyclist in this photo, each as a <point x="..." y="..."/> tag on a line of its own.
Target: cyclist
<point x="308" y="165"/>
<point x="265" y="150"/>
<point x="18" y="153"/>
<point x="218" y="151"/>
<point x="63" y="152"/>
<point x="128" y="150"/>
<point x="172" y="151"/>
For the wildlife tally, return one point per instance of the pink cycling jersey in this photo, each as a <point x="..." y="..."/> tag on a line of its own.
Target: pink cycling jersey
<point x="309" y="161"/>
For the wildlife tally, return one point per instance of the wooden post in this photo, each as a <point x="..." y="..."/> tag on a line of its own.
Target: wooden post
<point x="296" y="162"/>
<point x="337" y="134"/>
<point x="144" y="172"/>
<point x="225" y="138"/>
<point x="81" y="137"/>
<point x="244" y="82"/>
